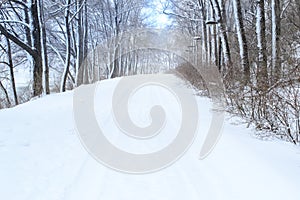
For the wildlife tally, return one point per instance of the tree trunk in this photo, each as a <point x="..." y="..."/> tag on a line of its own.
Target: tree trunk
<point x="204" y="29"/>
<point x="262" y="72"/>
<point x="116" y="51"/>
<point x="276" y="51"/>
<point x="68" y="48"/>
<point x="215" y="46"/>
<point x="243" y="46"/>
<point x="223" y="34"/>
<point x="79" y="46"/>
<point x="85" y="42"/>
<point x="6" y="94"/>
<point x="11" y="70"/>
<point x="44" y="48"/>
<point x="36" y="44"/>
<point x="215" y="39"/>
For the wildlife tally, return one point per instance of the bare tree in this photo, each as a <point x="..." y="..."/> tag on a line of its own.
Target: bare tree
<point x="262" y="72"/>
<point x="243" y="46"/>
<point x="223" y="35"/>
<point x="35" y="48"/>
<point x="44" y="46"/>
<point x="276" y="21"/>
<point x="11" y="70"/>
<point x="68" y="47"/>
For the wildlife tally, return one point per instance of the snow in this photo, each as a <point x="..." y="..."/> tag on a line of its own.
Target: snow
<point x="41" y="156"/>
<point x="23" y="77"/>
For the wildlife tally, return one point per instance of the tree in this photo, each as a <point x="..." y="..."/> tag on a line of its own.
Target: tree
<point x="223" y="35"/>
<point x="276" y="21"/>
<point x="80" y="42"/>
<point x="243" y="46"/>
<point x="11" y="70"/>
<point x="262" y="72"/>
<point x="34" y="49"/>
<point x="44" y="47"/>
<point x="37" y="48"/>
<point x="68" y="47"/>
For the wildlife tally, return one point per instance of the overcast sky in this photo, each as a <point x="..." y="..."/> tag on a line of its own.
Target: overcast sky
<point x="155" y="12"/>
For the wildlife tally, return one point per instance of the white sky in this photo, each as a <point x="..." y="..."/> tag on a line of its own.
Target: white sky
<point x="156" y="17"/>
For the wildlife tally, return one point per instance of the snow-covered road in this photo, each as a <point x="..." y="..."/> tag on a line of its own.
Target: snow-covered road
<point x="41" y="156"/>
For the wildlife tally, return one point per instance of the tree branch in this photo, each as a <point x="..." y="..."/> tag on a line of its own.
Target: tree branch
<point x="13" y="21"/>
<point x="17" y="41"/>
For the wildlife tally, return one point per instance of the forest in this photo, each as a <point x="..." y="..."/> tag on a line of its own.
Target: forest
<point x="254" y="44"/>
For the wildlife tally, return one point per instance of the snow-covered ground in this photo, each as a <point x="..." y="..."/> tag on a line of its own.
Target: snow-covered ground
<point x="41" y="157"/>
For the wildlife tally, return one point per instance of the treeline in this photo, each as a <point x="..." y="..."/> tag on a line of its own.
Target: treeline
<point x="255" y="45"/>
<point x="52" y="38"/>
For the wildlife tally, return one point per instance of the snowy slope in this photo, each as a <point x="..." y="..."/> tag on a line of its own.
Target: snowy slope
<point x="41" y="157"/>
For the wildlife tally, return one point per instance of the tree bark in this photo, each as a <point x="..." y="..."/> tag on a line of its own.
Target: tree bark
<point x="68" y="48"/>
<point x="36" y="44"/>
<point x="276" y="51"/>
<point x="262" y="72"/>
<point x="6" y="94"/>
<point x="79" y="46"/>
<point x="11" y="69"/>
<point x="223" y="34"/>
<point x="44" y="48"/>
<point x="243" y="46"/>
<point x="204" y="29"/>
